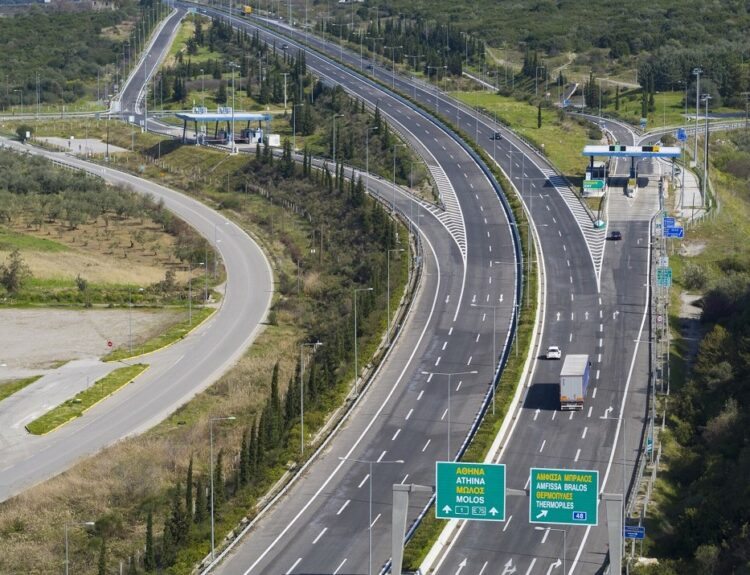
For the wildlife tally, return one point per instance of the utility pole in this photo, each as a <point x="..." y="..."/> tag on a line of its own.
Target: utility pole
<point x="697" y="73"/>
<point x="705" y="98"/>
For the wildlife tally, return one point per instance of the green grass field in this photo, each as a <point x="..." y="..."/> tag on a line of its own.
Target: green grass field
<point x="10" y="240"/>
<point x="8" y="388"/>
<point x="86" y="399"/>
<point x="561" y="139"/>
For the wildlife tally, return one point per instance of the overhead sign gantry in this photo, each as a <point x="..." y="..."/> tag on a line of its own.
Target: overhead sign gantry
<point x="632" y="152"/>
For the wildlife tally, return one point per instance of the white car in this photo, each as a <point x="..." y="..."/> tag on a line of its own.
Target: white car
<point x="553" y="352"/>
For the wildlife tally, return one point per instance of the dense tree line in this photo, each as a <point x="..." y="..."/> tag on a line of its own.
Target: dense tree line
<point x="57" y="54"/>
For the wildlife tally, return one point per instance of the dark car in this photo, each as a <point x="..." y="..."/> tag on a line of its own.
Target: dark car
<point x="496" y="136"/>
<point x="615" y="235"/>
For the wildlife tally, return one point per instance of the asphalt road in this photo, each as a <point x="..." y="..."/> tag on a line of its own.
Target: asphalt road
<point x="178" y="372"/>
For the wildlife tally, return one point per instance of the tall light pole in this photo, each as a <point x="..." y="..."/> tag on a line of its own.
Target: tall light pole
<point x="370" y="463"/>
<point x="388" y="266"/>
<point x="372" y="59"/>
<point x="130" y="319"/>
<point x="437" y="72"/>
<point x="211" y="443"/>
<point x="302" y="346"/>
<point x="449" y="374"/>
<point x="74" y="524"/>
<point x="294" y="125"/>
<point x="356" y="359"/>
<point x="393" y="63"/>
<point x="494" y="343"/>
<point x="704" y="98"/>
<point x="697" y="73"/>
<point x="565" y="533"/>
<point x="203" y="89"/>
<point x="234" y="67"/>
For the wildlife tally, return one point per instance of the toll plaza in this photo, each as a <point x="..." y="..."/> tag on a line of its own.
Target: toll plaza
<point x="223" y="120"/>
<point x="596" y="180"/>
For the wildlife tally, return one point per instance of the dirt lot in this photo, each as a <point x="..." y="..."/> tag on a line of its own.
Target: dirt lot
<point x="39" y="338"/>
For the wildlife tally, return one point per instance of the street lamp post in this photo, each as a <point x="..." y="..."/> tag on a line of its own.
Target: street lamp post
<point x="356" y="359"/>
<point x="83" y="523"/>
<point x="494" y="343"/>
<point x="302" y="346"/>
<point x="436" y="68"/>
<point x="697" y="73"/>
<point x="393" y="63"/>
<point x="211" y="443"/>
<point x="388" y="266"/>
<point x="367" y="157"/>
<point x="203" y="89"/>
<point x="704" y="98"/>
<point x="449" y="374"/>
<point x="130" y="319"/>
<point x="370" y="463"/>
<point x="565" y="533"/>
<point x="234" y="67"/>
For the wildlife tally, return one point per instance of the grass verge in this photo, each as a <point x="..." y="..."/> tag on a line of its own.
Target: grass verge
<point x="173" y="334"/>
<point x="85" y="400"/>
<point x="10" y="387"/>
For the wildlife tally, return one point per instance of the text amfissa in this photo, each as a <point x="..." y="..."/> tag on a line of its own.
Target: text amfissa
<point x="558" y="490"/>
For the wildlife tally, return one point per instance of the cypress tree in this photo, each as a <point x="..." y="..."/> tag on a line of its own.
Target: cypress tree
<point x="102" y="570"/>
<point x="132" y="566"/>
<point x="189" y="492"/>
<point x="178" y="520"/>
<point x="200" y="503"/>
<point x="252" y="449"/>
<point x="617" y="97"/>
<point x="539" y="115"/>
<point x="243" y="461"/>
<point x="291" y="402"/>
<point x="219" y="493"/>
<point x="149" y="559"/>
<point x="168" y="550"/>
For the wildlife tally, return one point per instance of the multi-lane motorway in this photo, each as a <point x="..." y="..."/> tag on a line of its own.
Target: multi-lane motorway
<point x="595" y="304"/>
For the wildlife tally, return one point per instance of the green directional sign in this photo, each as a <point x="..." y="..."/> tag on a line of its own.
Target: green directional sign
<point x="470" y="491"/>
<point x="664" y="277"/>
<point x="589" y="185"/>
<point x="563" y="496"/>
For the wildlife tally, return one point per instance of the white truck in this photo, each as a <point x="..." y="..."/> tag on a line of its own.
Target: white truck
<point x="574" y="380"/>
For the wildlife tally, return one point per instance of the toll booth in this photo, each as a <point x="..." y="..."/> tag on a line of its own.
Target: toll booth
<point x="250" y="127"/>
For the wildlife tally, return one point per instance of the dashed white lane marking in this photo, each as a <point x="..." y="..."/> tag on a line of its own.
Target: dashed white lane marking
<point x="533" y="562"/>
<point x="565" y="248"/>
<point x="484" y="316"/>
<point x="597" y="374"/>
<point x="445" y="343"/>
<point x="487" y="298"/>
<point x="292" y="568"/>
<point x="438" y="361"/>
<point x="490" y="248"/>
<point x="554" y="414"/>
<point x="568" y="262"/>
<point x="458" y="165"/>
<point x="450" y="331"/>
<point x="490" y="278"/>
<point x="546" y="534"/>
<point x="488" y="233"/>
<point x="572" y="297"/>
<point x="485" y="220"/>
<point x="510" y="517"/>
<point x="528" y="480"/>
<point x="481" y="208"/>
<point x="382" y="455"/>
<point x="593" y="395"/>
<point x="429" y="377"/>
<point x="404" y="479"/>
<point x="554" y="220"/>
<point x="425" y="445"/>
<point x="442" y="417"/>
<point x="320" y="535"/>
<point x="339" y="567"/>
<point x="600" y="301"/>
<point x="420" y="395"/>
<point x="571" y="279"/>
<point x="585" y="431"/>
<point x="374" y="521"/>
<point x="600" y="342"/>
<point x="601" y="327"/>
<point x="600" y="314"/>
<point x="544" y="442"/>
<point x="470" y="358"/>
<point x="364" y="480"/>
<point x="344" y="506"/>
<point x="572" y="413"/>
<point x="408" y="415"/>
<point x="599" y="358"/>
<point x="476" y="340"/>
<point x="578" y="454"/>
<point x="459" y="385"/>
<point x="590" y="408"/>
<point x="571" y="337"/>
<point x="395" y="435"/>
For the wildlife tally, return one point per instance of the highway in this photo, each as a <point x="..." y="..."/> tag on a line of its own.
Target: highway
<point x="320" y="525"/>
<point x="178" y="372"/>
<point x="594" y="304"/>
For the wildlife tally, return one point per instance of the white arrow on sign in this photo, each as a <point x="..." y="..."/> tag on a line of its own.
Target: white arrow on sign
<point x="447" y="509"/>
<point x="555" y="565"/>
<point x="542" y="513"/>
<point x="461" y="566"/>
<point x="493" y="511"/>
<point x="509" y="568"/>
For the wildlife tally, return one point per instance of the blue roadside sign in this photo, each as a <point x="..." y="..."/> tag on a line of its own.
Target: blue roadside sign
<point x="669" y="222"/>
<point x="681" y="135"/>
<point x="634" y="532"/>
<point x="566" y="102"/>
<point x="674" y="232"/>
